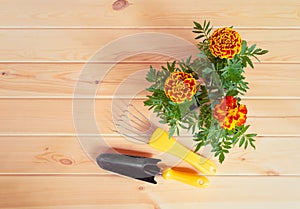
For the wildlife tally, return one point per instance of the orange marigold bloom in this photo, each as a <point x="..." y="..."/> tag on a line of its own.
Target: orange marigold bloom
<point x="225" y="43"/>
<point x="229" y="113"/>
<point x="180" y="86"/>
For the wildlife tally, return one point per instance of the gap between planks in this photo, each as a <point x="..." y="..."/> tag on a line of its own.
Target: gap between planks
<point x="111" y="174"/>
<point x="139" y="97"/>
<point x="113" y="135"/>
<point x="127" y="62"/>
<point x="142" y="27"/>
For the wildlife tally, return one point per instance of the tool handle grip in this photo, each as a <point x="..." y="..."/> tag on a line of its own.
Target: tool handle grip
<point x="186" y="177"/>
<point x="160" y="140"/>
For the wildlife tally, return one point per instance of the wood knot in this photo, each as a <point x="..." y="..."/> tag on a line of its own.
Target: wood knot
<point x="49" y="156"/>
<point x="4" y="73"/>
<point x="120" y="4"/>
<point x="66" y="161"/>
<point x="141" y="188"/>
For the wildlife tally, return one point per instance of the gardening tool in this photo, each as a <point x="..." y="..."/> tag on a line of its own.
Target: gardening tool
<point x="145" y="169"/>
<point x="133" y="124"/>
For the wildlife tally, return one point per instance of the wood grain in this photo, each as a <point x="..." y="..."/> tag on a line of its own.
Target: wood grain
<point x="30" y="191"/>
<point x="93" y="13"/>
<point x="45" y="46"/>
<point x="94" y="206"/>
<point x="233" y="204"/>
<point x="50" y="116"/>
<point x="59" y="80"/>
<point x="50" y="155"/>
<point x="75" y="45"/>
<point x="34" y="189"/>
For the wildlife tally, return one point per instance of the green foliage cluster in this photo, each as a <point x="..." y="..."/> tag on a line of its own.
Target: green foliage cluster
<point x="222" y="77"/>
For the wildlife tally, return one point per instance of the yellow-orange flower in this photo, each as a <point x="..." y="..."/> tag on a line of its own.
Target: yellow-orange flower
<point x="229" y="113"/>
<point x="225" y="43"/>
<point x="180" y="86"/>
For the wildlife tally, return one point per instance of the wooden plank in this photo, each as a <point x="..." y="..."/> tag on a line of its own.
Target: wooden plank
<point x="273" y="80"/>
<point x="193" y="205"/>
<point x="59" y="80"/>
<point x="232" y="205"/>
<point x="69" y="191"/>
<point x="246" y="189"/>
<point x="38" y="45"/>
<point x="90" y="206"/>
<point x="30" y="191"/>
<point x="64" y="156"/>
<point x="56" y="116"/>
<point x="93" y="13"/>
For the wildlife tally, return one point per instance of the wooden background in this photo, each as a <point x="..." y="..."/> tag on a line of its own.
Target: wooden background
<point x="45" y="44"/>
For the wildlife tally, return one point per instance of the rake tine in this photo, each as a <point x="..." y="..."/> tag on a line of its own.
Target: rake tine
<point x="133" y="124"/>
<point x="133" y="129"/>
<point x="141" y="114"/>
<point x="128" y="128"/>
<point x="126" y="121"/>
<point x="145" y="122"/>
<point x="137" y="121"/>
<point x="133" y="136"/>
<point x="143" y="126"/>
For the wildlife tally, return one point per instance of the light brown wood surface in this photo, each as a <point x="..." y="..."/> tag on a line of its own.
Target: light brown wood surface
<point x="58" y="80"/>
<point x="156" y="13"/>
<point x="79" y="45"/>
<point x="44" y="47"/>
<point x="42" y="155"/>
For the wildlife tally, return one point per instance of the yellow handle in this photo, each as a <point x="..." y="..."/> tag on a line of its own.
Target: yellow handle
<point x="160" y="140"/>
<point x="185" y="177"/>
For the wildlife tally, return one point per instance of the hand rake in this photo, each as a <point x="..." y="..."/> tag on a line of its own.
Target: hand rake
<point x="133" y="124"/>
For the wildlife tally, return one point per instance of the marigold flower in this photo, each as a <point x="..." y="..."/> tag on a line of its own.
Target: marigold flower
<point x="225" y="43"/>
<point x="229" y="113"/>
<point x="180" y="86"/>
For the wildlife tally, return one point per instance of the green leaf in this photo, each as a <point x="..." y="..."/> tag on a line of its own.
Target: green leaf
<point x="246" y="144"/>
<point x="182" y="126"/>
<point x="244" y="47"/>
<point x="227" y="146"/>
<point x="197" y="25"/>
<point x="221" y="157"/>
<point x="207" y="26"/>
<point x="251" y="48"/>
<point x="249" y="62"/>
<point x="172" y="131"/>
<point x="200" y="36"/>
<point x="209" y="30"/>
<point x="173" y="65"/>
<point x="204" y="24"/>
<point x="232" y="93"/>
<point x="196" y="31"/>
<point x="242" y="140"/>
<point x="251" y="135"/>
<point x="252" y="144"/>
<point x="198" y="147"/>
<point x="262" y="52"/>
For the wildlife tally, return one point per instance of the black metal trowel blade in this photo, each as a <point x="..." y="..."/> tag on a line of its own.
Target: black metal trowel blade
<point x="141" y="168"/>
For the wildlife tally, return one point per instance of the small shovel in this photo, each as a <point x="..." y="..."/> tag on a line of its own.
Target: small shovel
<point x="145" y="169"/>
